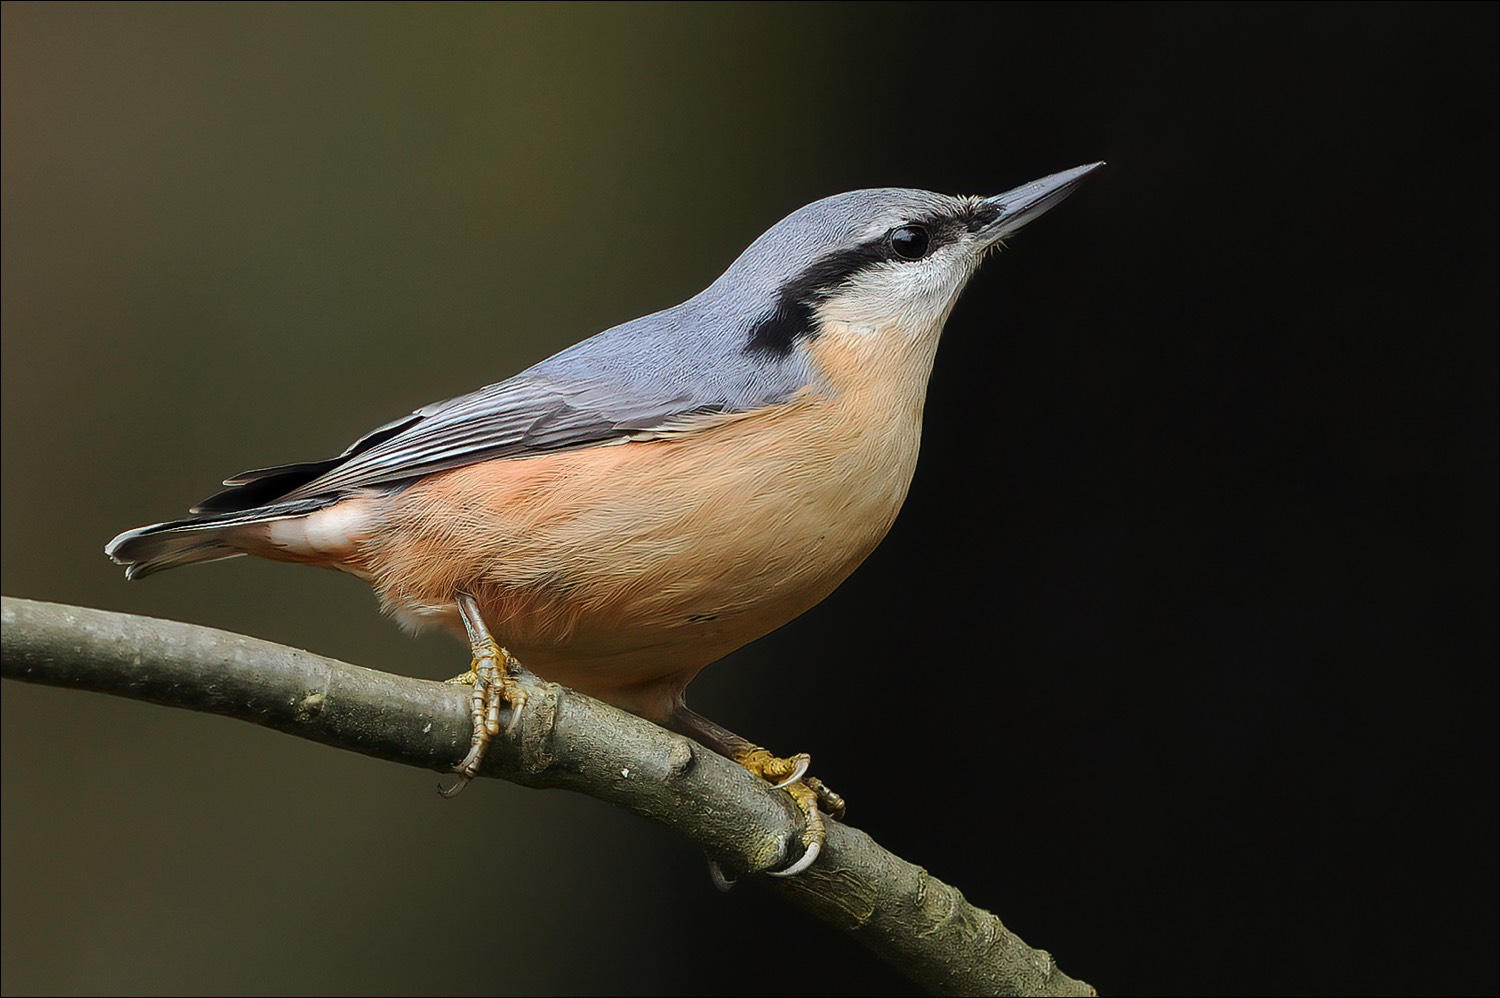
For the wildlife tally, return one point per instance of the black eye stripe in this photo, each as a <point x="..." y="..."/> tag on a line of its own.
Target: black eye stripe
<point x="791" y="318"/>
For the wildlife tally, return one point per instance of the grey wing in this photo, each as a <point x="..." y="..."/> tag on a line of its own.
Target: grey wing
<point x="516" y="417"/>
<point x="664" y="371"/>
<point x="512" y="418"/>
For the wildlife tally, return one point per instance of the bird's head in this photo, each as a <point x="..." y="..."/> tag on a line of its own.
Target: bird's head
<point x="880" y="263"/>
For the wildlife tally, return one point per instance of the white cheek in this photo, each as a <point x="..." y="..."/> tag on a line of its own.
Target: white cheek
<point x="914" y="295"/>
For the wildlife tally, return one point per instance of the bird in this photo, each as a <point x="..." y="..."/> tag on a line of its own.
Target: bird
<point x="637" y="506"/>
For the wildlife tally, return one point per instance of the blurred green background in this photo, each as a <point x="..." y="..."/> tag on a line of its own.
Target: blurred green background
<point x="1199" y="555"/>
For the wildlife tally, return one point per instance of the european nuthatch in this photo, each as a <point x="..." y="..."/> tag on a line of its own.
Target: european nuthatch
<point x="652" y="498"/>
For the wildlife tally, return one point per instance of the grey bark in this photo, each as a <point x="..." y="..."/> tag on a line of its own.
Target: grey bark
<point x="913" y="921"/>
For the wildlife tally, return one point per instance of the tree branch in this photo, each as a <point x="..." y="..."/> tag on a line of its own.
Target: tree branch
<point x="912" y="920"/>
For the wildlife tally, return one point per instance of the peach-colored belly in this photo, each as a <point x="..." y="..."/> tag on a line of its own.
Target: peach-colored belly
<point x="622" y="570"/>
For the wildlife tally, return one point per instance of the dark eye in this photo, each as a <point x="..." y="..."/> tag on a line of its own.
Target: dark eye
<point x="910" y="242"/>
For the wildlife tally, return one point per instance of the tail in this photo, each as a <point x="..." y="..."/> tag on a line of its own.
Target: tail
<point x="213" y="537"/>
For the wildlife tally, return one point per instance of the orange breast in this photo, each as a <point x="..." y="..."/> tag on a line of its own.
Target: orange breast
<point x="622" y="570"/>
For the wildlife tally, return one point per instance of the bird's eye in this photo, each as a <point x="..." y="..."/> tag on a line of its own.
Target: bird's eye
<point x="910" y="242"/>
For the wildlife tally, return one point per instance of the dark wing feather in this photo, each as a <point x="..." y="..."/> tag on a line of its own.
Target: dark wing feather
<point x="250" y="489"/>
<point x="510" y="419"/>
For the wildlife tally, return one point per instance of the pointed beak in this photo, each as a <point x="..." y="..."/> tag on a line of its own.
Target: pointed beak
<point x="1019" y="206"/>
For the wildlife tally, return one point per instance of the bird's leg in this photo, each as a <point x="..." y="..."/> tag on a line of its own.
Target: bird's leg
<point x="492" y="673"/>
<point x="789" y="774"/>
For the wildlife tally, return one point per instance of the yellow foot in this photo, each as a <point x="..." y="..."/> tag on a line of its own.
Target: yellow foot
<point x="492" y="673"/>
<point x="812" y="797"/>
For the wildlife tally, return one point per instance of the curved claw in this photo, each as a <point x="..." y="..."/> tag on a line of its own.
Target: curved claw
<point x="808" y="859"/>
<point x="450" y="792"/>
<point x="801" y="762"/>
<point x="723" y="881"/>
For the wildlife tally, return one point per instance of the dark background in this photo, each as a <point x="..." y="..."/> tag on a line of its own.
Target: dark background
<point x="1181" y="656"/>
